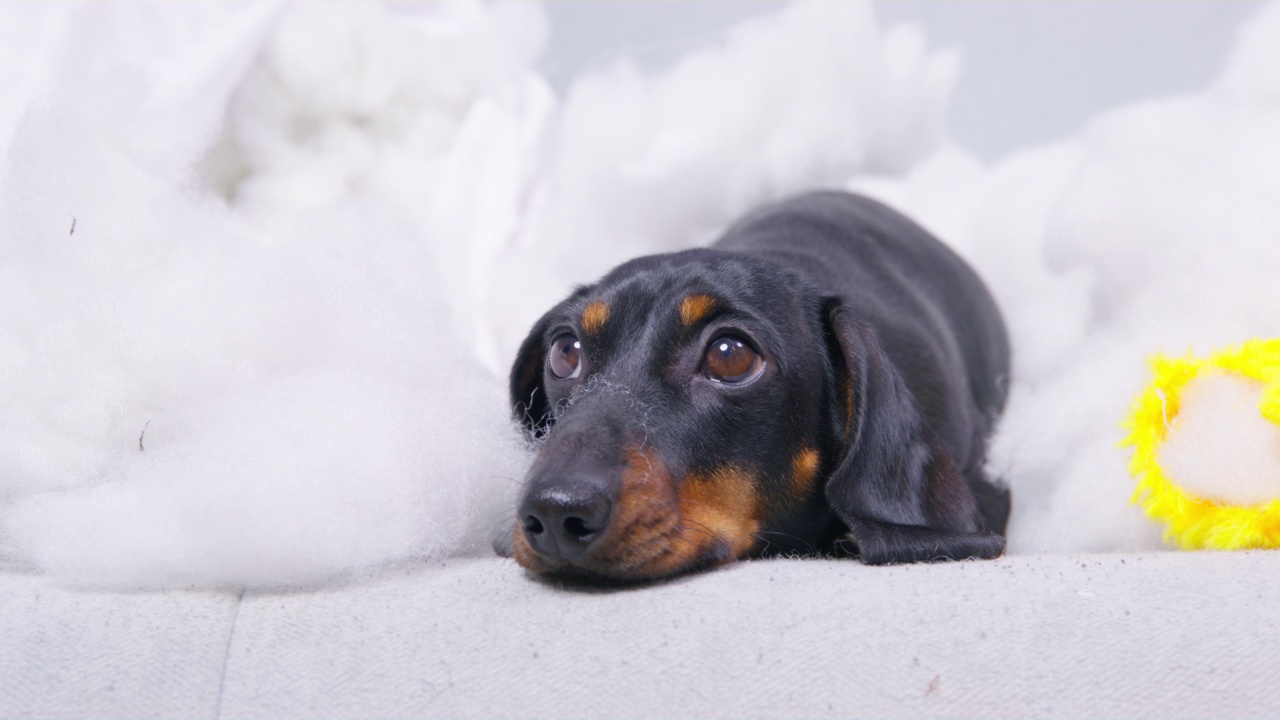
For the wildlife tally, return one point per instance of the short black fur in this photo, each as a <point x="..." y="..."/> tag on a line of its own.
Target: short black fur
<point x="885" y="354"/>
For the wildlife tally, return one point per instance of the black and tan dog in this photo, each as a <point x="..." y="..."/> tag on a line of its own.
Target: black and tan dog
<point x="825" y="375"/>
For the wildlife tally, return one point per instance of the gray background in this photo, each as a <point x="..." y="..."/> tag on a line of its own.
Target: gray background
<point x="1033" y="70"/>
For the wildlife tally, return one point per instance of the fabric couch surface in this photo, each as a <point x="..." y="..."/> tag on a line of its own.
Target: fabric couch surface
<point x="1158" y="635"/>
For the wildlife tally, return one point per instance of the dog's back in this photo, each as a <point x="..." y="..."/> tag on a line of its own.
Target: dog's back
<point x="933" y="314"/>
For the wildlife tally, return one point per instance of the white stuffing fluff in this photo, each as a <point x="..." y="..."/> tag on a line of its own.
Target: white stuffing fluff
<point x="263" y="269"/>
<point x="265" y="356"/>
<point x="283" y="482"/>
<point x="1220" y="446"/>
<point x="1155" y="230"/>
<point x="193" y="396"/>
<point x="791" y="101"/>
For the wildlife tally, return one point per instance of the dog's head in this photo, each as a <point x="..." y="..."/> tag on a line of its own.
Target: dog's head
<point x="703" y="406"/>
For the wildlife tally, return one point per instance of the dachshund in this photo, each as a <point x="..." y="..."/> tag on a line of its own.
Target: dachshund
<point x="823" y="379"/>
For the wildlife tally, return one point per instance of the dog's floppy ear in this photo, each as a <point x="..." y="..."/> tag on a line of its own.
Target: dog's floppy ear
<point x="896" y="487"/>
<point x="528" y="396"/>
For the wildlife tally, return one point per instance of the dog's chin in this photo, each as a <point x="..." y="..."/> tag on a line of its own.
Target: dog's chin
<point x="592" y="576"/>
<point x="600" y="570"/>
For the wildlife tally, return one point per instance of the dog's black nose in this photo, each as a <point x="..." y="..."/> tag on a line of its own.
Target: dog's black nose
<point x="562" y="520"/>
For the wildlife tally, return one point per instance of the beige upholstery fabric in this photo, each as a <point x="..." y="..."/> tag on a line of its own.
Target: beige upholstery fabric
<point x="1163" y="635"/>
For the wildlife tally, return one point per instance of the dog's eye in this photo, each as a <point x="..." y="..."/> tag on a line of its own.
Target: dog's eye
<point x="731" y="360"/>
<point x="565" y="357"/>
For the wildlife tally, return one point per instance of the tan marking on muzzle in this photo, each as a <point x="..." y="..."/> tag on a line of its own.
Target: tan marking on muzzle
<point x="656" y="530"/>
<point x="723" y="504"/>
<point x="804" y="470"/>
<point x="694" y="308"/>
<point x="594" y="316"/>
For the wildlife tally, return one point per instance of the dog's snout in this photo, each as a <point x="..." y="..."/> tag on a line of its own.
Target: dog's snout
<point x="562" y="520"/>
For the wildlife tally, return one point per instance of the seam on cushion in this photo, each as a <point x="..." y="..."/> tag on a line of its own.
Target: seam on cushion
<point x="226" y="654"/>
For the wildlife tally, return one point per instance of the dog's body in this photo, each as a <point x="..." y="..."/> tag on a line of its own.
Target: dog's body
<point x="827" y="369"/>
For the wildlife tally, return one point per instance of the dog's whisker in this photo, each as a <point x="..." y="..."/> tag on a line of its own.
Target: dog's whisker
<point x="813" y="549"/>
<point x="699" y="527"/>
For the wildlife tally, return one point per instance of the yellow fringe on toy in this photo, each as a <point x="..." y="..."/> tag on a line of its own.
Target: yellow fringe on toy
<point x="1195" y="522"/>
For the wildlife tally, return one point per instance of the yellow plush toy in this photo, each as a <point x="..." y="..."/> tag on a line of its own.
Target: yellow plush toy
<point x="1196" y="520"/>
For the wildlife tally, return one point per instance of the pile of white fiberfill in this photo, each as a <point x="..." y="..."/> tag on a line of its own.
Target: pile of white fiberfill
<point x="262" y="269"/>
<point x="192" y="393"/>
<point x="1154" y="230"/>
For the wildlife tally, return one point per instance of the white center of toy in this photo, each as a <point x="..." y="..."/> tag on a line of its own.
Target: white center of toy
<point x="1220" y="447"/>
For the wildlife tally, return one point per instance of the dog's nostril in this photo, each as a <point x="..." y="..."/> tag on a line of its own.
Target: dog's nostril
<point x="577" y="527"/>
<point x="563" y="520"/>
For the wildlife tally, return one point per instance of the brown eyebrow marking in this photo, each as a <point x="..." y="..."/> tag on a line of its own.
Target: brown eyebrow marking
<point x="804" y="468"/>
<point x="695" y="307"/>
<point x="594" y="316"/>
